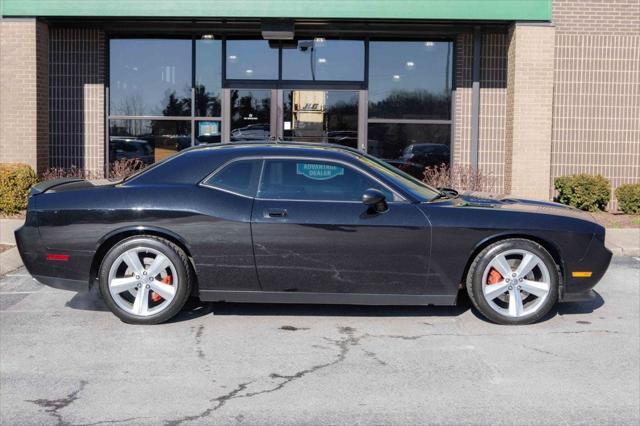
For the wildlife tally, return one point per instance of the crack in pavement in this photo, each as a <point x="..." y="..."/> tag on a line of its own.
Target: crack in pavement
<point x="542" y="351"/>
<point x="198" y="339"/>
<point x="53" y="406"/>
<point x="422" y="336"/>
<point x="343" y="344"/>
<point x="219" y="402"/>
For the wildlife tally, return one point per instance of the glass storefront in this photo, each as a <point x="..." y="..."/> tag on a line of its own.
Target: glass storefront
<point x="323" y="116"/>
<point x="389" y="98"/>
<point x="150" y="77"/>
<point x="250" y="115"/>
<point x="147" y="140"/>
<point x="324" y="60"/>
<point x="251" y="60"/>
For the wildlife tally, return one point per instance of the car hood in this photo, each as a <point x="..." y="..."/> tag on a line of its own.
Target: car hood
<point x="510" y="202"/>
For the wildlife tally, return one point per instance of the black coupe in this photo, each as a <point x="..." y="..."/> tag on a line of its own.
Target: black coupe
<point x="304" y="223"/>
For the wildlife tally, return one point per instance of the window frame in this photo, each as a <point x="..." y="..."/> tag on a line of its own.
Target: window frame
<point x="254" y="185"/>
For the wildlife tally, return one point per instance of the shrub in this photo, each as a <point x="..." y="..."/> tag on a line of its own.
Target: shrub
<point x="460" y="178"/>
<point x="124" y="168"/>
<point x="586" y="192"/>
<point x="15" y="182"/>
<point x="71" y="172"/>
<point x="629" y="198"/>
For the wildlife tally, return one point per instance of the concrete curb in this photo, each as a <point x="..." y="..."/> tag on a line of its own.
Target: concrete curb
<point x="623" y="242"/>
<point x="10" y="261"/>
<point x="7" y="226"/>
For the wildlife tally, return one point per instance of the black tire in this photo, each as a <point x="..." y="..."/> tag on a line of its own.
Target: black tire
<point x="175" y="254"/>
<point x="482" y="260"/>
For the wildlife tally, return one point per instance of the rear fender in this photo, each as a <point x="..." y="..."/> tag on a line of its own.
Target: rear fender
<point x="105" y="243"/>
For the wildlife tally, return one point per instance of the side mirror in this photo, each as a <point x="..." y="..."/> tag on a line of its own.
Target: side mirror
<point x="375" y="199"/>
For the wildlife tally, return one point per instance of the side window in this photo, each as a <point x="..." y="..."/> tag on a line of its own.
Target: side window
<point x="314" y="180"/>
<point x="239" y="176"/>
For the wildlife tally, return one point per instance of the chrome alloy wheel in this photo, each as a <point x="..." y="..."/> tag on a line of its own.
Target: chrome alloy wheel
<point x="516" y="283"/>
<point x="143" y="281"/>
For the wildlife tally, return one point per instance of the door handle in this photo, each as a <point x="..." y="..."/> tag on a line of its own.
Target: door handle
<point x="275" y="213"/>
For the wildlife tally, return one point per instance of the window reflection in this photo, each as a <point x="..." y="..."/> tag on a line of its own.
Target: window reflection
<point x="251" y="60"/>
<point x="147" y="140"/>
<point x="321" y="59"/>
<point x="410" y="80"/>
<point x="250" y="115"/>
<point x="150" y="77"/>
<point x="410" y="147"/>
<point x="208" y="78"/>
<point x="321" y="116"/>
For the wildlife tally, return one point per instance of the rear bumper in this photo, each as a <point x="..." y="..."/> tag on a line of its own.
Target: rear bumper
<point x="72" y="274"/>
<point x="62" y="283"/>
<point x="596" y="260"/>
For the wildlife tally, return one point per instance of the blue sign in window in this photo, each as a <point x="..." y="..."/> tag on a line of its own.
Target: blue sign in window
<point x="317" y="171"/>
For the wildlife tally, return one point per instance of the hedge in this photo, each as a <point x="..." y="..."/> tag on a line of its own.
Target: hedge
<point x="15" y="182"/>
<point x="583" y="191"/>
<point x="628" y="196"/>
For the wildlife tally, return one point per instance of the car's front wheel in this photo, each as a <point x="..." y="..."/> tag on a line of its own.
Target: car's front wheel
<point x="513" y="281"/>
<point x="145" y="280"/>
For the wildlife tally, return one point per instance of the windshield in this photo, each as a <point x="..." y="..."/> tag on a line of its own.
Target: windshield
<point x="419" y="189"/>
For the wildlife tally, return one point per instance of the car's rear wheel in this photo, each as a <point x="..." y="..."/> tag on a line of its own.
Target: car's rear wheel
<point x="145" y="280"/>
<point x="513" y="281"/>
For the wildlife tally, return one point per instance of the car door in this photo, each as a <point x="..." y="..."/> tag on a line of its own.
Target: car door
<point x="312" y="233"/>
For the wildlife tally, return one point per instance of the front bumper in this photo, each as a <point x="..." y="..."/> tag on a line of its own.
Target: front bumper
<point x="596" y="259"/>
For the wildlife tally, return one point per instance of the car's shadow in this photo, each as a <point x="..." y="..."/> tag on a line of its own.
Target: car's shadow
<point x="92" y="301"/>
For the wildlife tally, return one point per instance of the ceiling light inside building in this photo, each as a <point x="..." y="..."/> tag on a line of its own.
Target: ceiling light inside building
<point x="249" y="72"/>
<point x="319" y="41"/>
<point x="322" y="60"/>
<point x="207" y="36"/>
<point x="233" y="59"/>
<point x="410" y="65"/>
<point x="429" y="44"/>
<point x="396" y="77"/>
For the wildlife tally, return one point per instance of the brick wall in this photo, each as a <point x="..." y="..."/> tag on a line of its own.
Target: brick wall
<point x="24" y="92"/>
<point x="596" y="128"/>
<point x="602" y="17"/>
<point x="493" y="88"/>
<point x="76" y="102"/>
<point x="529" y="110"/>
<point x="462" y="100"/>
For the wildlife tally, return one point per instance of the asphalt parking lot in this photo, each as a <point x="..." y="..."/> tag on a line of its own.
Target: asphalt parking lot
<point x="65" y="360"/>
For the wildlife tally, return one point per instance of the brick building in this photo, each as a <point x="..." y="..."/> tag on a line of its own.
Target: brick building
<point x="523" y="90"/>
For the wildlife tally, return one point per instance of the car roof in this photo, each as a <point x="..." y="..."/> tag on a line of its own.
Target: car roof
<point x="271" y="145"/>
<point x="194" y="163"/>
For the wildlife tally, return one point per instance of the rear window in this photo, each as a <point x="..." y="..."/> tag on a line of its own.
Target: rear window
<point x="240" y="177"/>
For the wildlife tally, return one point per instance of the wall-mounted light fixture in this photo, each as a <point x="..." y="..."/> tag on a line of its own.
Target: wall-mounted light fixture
<point x="278" y="30"/>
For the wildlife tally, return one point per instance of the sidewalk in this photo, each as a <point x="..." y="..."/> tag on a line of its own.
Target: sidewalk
<point x="622" y="242"/>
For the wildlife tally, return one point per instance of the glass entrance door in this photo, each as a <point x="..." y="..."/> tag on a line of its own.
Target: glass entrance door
<point x="251" y="118"/>
<point x="302" y="115"/>
<point x="322" y="116"/>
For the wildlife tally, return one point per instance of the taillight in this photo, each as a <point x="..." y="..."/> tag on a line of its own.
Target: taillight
<point x="58" y="257"/>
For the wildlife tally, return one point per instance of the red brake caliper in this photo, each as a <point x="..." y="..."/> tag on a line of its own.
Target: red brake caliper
<point x="494" y="276"/>
<point x="155" y="296"/>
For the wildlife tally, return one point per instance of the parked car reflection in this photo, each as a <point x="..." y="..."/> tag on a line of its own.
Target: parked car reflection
<point x="251" y="133"/>
<point x="414" y="158"/>
<point x="129" y="148"/>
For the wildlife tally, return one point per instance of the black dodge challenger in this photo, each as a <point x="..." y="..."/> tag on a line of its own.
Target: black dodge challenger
<point x="302" y="223"/>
